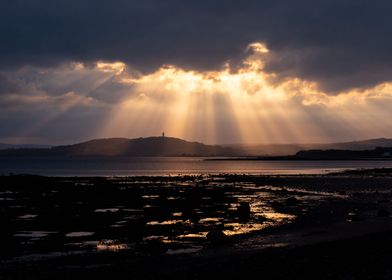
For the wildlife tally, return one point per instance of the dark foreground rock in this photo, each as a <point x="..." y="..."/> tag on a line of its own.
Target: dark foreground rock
<point x="366" y="257"/>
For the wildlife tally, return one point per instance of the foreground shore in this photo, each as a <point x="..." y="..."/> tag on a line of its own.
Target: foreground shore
<point x="335" y="226"/>
<point x="364" y="257"/>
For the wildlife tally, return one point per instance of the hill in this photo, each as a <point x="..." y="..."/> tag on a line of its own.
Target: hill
<point x="4" y="146"/>
<point x="169" y="146"/>
<point x="151" y="146"/>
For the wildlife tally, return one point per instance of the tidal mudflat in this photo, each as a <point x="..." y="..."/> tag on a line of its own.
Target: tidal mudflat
<point x="83" y="226"/>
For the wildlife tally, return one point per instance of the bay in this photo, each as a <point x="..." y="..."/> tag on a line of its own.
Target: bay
<point x="156" y="166"/>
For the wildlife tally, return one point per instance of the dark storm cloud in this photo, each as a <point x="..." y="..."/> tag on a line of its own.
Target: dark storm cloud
<point x="340" y="44"/>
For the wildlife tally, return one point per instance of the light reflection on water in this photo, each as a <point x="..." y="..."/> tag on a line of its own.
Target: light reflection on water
<point x="163" y="223"/>
<point x="193" y="235"/>
<point x="237" y="228"/>
<point x="278" y="217"/>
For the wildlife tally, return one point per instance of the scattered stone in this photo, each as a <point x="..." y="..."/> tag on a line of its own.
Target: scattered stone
<point x="243" y="211"/>
<point x="354" y="217"/>
<point x="216" y="236"/>
<point x="155" y="247"/>
<point x="383" y="213"/>
<point x="291" y="201"/>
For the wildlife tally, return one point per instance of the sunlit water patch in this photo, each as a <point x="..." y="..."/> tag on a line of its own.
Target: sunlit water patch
<point x="231" y="229"/>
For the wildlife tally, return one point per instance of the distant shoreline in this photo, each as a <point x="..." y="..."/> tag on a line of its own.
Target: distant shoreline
<point x="177" y="166"/>
<point x="293" y="158"/>
<point x="204" y="157"/>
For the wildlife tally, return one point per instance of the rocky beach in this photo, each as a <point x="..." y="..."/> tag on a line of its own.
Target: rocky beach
<point x="176" y="227"/>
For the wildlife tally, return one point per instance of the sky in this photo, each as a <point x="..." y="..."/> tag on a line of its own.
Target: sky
<point x="218" y="72"/>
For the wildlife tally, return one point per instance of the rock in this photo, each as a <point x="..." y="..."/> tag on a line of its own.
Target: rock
<point x="354" y="217"/>
<point x="383" y="213"/>
<point x="291" y="201"/>
<point x="216" y="236"/>
<point x="276" y="204"/>
<point x="193" y="216"/>
<point x="155" y="247"/>
<point x="243" y="211"/>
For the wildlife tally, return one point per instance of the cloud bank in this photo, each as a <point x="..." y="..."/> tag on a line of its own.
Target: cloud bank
<point x="338" y="44"/>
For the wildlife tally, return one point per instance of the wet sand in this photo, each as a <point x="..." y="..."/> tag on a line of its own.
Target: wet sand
<point x="335" y="226"/>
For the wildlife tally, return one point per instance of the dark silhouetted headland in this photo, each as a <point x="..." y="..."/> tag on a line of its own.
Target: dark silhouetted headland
<point x="168" y="146"/>
<point x="376" y="154"/>
<point x="292" y="149"/>
<point x="379" y="153"/>
<point x="151" y="146"/>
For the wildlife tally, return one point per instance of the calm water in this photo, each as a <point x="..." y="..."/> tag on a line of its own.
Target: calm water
<point x="172" y="166"/>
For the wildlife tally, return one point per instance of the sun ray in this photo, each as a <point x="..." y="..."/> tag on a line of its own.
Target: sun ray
<point x="226" y="105"/>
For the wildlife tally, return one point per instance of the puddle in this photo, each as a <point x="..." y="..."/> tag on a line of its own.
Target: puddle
<point x="210" y="220"/>
<point x="18" y="206"/>
<point x="33" y="234"/>
<point x="89" y="243"/>
<point x="111" y="245"/>
<point x="278" y="217"/>
<point x="28" y="216"/>
<point x="184" y="251"/>
<point x="153" y="237"/>
<point x="132" y="210"/>
<point x="132" y="218"/>
<point x="150" y="196"/>
<point x="79" y="234"/>
<point x="193" y="235"/>
<point x="177" y="214"/>
<point x="237" y="228"/>
<point x="106" y="210"/>
<point x="168" y="222"/>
